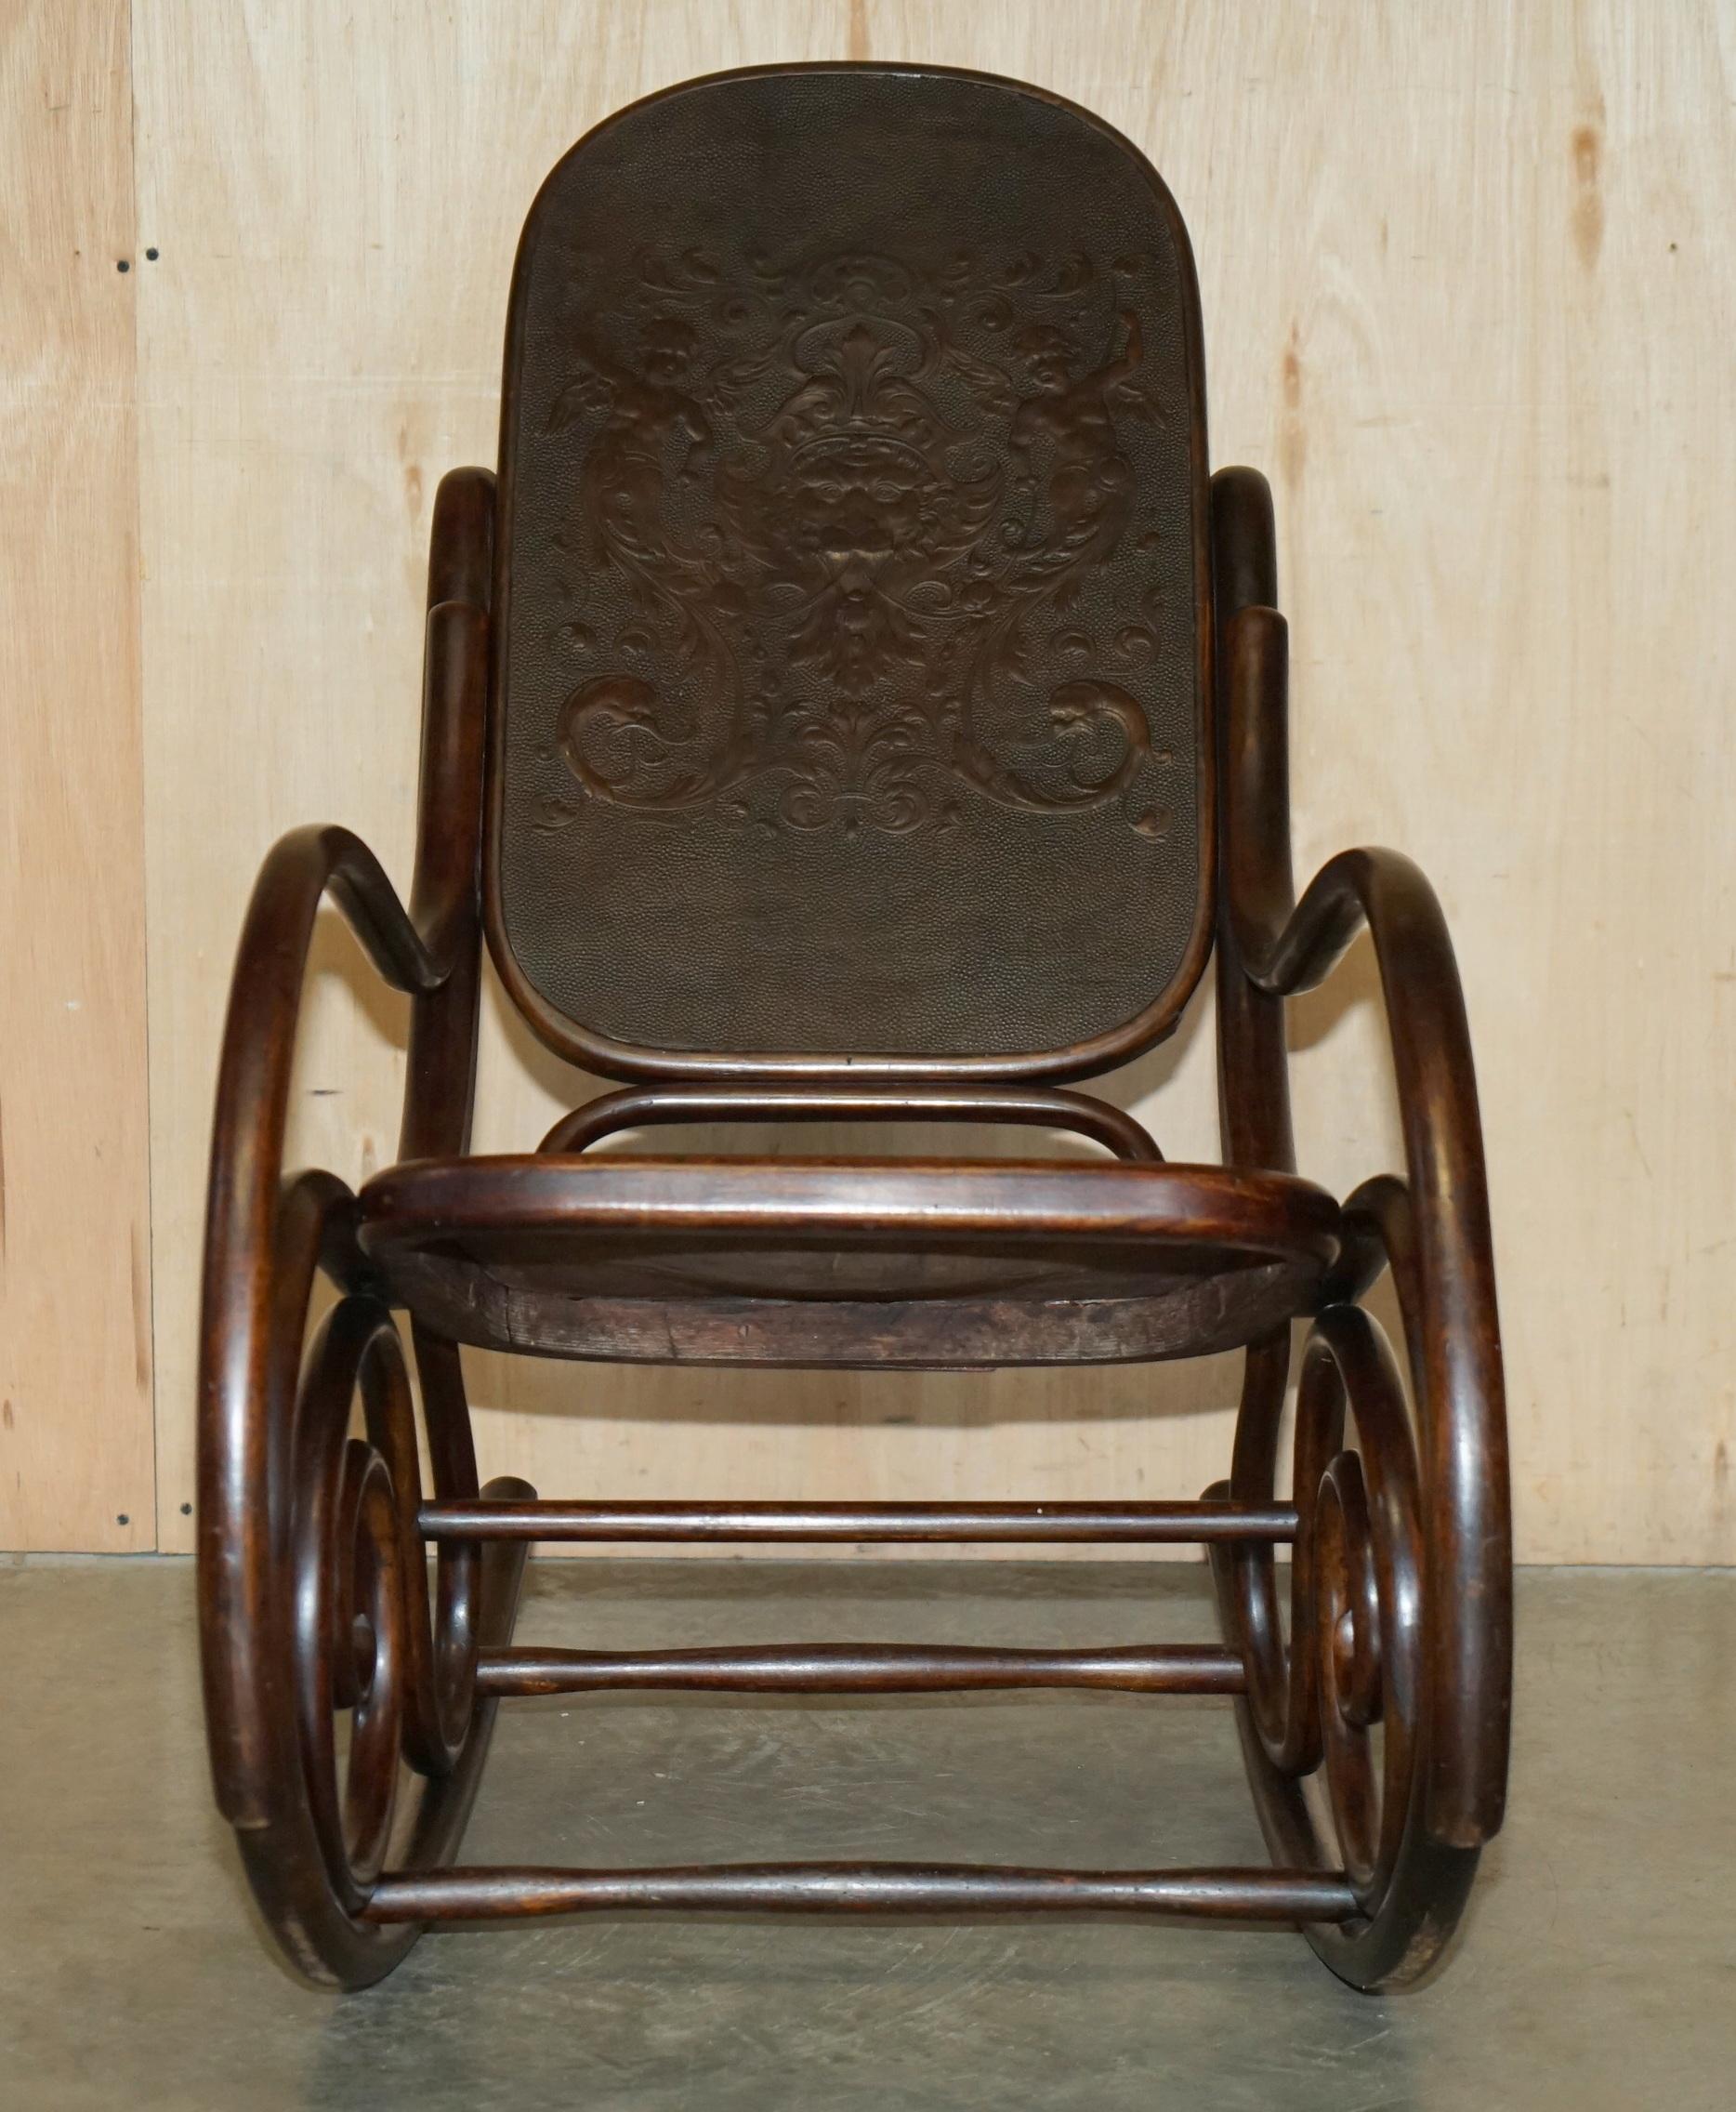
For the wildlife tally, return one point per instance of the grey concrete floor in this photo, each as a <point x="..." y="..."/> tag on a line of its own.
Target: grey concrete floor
<point x="1597" y="1968"/>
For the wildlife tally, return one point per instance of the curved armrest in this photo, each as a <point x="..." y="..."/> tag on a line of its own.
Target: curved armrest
<point x="1426" y="1026"/>
<point x="304" y="866"/>
<point x="258" y="1051"/>
<point x="1434" y="1227"/>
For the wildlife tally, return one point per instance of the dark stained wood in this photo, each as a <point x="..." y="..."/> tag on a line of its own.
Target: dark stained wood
<point x="1184" y="1209"/>
<point x="1438" y="1222"/>
<point x="262" y="1248"/>
<point x="846" y="1262"/>
<point x="1419" y="1582"/>
<point x="441" y="1071"/>
<point x="1253" y="1076"/>
<point x="1156" y="1523"/>
<point x="301" y="1531"/>
<point x="853" y="573"/>
<point x="917" y="432"/>
<point x="862" y="1668"/>
<point x="865" y="1888"/>
<point x="639" y="1107"/>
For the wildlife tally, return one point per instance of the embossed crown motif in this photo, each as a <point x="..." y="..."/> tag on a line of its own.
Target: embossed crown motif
<point x="830" y="532"/>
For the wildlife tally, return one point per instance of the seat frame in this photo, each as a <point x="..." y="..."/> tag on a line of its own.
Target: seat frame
<point x="1382" y="1674"/>
<point x="879" y="1264"/>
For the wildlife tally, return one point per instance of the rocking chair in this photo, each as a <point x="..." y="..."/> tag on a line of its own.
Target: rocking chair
<point x="852" y="702"/>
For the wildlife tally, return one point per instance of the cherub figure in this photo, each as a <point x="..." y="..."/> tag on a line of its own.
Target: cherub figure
<point x="622" y="484"/>
<point x="1090" y="482"/>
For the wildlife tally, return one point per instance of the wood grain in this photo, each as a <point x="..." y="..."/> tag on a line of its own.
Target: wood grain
<point x="1468" y="302"/>
<point x="75" y="1398"/>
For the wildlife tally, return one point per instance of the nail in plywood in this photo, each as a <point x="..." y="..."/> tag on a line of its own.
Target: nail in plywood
<point x="75" y="1401"/>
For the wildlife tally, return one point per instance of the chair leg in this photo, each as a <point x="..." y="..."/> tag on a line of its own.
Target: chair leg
<point x="314" y="1601"/>
<point x="1356" y="1653"/>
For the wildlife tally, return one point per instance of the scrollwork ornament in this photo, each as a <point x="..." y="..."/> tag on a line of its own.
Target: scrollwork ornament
<point x="881" y="491"/>
<point x="1335" y="1726"/>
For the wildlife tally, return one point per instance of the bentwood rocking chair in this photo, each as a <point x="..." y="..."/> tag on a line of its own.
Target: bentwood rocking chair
<point x="851" y="702"/>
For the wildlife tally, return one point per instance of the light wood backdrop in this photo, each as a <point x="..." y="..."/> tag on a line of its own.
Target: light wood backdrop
<point x="75" y="1401"/>
<point x="1470" y="301"/>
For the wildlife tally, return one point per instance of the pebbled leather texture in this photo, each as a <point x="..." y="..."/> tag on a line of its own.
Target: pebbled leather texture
<point x="851" y="690"/>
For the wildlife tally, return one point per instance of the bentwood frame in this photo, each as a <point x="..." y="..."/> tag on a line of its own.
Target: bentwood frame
<point x="854" y="574"/>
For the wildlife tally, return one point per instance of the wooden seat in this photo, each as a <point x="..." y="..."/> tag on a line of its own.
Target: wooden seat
<point x="867" y="1263"/>
<point x="854" y="699"/>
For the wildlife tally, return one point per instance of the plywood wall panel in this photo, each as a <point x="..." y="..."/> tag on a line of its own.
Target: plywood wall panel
<point x="75" y="1400"/>
<point x="1468" y="304"/>
<point x="337" y="194"/>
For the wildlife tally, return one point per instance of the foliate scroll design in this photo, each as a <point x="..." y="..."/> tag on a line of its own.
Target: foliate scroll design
<point x="854" y="511"/>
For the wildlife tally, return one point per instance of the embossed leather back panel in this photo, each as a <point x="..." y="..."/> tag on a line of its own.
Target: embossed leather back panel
<point x="851" y="692"/>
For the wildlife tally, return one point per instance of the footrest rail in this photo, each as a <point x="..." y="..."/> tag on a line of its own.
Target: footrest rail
<point x="1250" y="1896"/>
<point x="863" y="1668"/>
<point x="479" y="1518"/>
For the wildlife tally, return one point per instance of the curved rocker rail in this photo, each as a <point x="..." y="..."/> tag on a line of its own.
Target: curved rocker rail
<point x="311" y="1564"/>
<point x="1401" y="1575"/>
